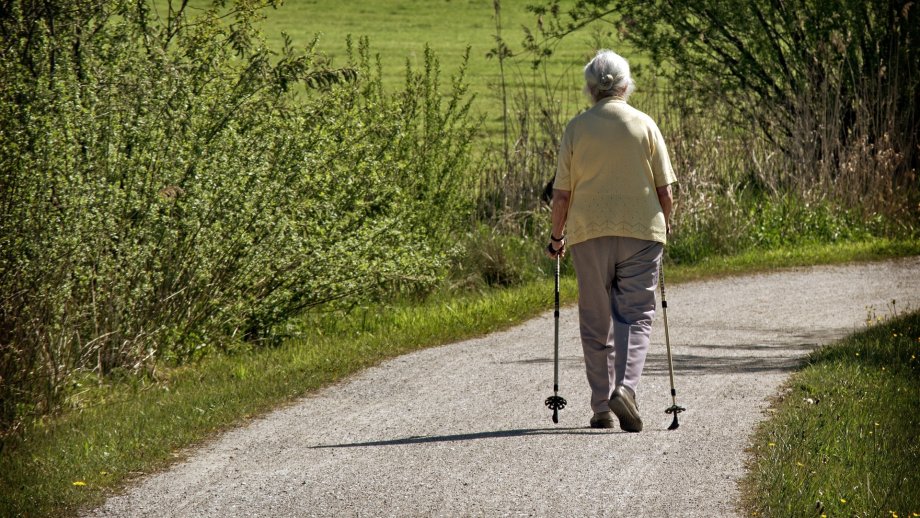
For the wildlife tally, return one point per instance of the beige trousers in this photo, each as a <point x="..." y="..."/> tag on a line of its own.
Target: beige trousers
<point x="617" y="278"/>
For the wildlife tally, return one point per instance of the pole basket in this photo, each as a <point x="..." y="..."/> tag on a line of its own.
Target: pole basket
<point x="674" y="409"/>
<point x="555" y="403"/>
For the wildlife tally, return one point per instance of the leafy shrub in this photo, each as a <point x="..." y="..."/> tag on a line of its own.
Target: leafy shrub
<point x="167" y="188"/>
<point x="494" y="258"/>
<point x="735" y="225"/>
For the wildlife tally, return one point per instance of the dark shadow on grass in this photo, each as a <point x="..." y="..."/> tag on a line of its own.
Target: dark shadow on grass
<point x="499" y="434"/>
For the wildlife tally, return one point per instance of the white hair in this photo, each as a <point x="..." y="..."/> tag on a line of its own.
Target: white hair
<point x="607" y="75"/>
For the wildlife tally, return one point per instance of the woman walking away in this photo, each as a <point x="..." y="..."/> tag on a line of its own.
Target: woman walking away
<point x="612" y="197"/>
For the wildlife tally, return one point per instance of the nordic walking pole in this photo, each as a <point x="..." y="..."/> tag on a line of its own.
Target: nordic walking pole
<point x="674" y="408"/>
<point x="556" y="402"/>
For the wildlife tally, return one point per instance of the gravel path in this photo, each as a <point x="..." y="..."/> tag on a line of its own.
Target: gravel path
<point x="461" y="430"/>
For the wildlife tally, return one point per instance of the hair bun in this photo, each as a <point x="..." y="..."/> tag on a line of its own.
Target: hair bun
<point x="606" y="82"/>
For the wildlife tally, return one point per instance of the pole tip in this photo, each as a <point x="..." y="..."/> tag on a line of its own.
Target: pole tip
<point x="674" y="423"/>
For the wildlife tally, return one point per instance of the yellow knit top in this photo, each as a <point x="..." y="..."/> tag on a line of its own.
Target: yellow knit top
<point x="612" y="158"/>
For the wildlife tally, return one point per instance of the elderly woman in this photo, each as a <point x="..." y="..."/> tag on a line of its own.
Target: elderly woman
<point x="612" y="196"/>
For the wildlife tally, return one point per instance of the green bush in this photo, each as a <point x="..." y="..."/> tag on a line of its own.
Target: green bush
<point x="168" y="187"/>
<point x="734" y="226"/>
<point x="493" y="258"/>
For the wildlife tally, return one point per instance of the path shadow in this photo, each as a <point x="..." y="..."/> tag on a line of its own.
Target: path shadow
<point x="540" y="361"/>
<point x="500" y="434"/>
<point x="790" y="357"/>
<point x="703" y="364"/>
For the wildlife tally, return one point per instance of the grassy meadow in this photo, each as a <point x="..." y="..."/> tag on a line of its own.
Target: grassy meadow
<point x="399" y="30"/>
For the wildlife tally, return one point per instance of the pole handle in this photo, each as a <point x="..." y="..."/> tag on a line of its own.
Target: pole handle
<point x="664" y="301"/>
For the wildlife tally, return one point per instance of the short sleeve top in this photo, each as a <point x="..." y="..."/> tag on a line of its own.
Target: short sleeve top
<point x="611" y="159"/>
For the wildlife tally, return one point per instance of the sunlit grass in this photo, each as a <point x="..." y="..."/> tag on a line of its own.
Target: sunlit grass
<point x="399" y="30"/>
<point x="757" y="260"/>
<point x="844" y="438"/>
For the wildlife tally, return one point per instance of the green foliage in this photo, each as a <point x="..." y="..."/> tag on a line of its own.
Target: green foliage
<point x="495" y="259"/>
<point x="816" y="100"/>
<point x="769" y="55"/>
<point x="844" y="440"/>
<point x="765" y="223"/>
<point x="165" y="191"/>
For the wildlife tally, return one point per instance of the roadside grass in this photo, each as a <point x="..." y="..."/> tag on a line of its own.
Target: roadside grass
<point x="118" y="431"/>
<point x="844" y="436"/>
<point x="129" y="426"/>
<point x="760" y="260"/>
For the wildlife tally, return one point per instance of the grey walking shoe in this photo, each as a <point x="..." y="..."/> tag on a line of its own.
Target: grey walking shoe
<point x="602" y="420"/>
<point x="623" y="404"/>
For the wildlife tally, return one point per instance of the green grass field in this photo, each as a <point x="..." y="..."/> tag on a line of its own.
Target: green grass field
<point x="398" y="31"/>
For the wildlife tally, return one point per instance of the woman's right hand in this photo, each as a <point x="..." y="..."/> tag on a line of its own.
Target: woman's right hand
<point x="552" y="252"/>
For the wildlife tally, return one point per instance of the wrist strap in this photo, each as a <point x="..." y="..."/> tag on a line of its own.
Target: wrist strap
<point x="556" y="239"/>
<point x="552" y="250"/>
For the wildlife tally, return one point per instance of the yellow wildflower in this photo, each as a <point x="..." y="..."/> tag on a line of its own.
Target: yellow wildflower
<point x="843" y="500"/>
<point x="79" y="483"/>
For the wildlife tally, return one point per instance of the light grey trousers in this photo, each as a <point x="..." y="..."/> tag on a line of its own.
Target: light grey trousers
<point x="617" y="278"/>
